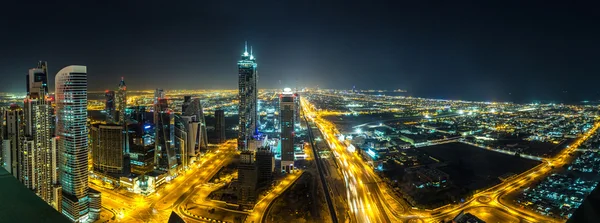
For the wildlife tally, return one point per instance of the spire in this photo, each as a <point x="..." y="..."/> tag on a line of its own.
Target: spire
<point x="251" y="56"/>
<point x="246" y="47"/>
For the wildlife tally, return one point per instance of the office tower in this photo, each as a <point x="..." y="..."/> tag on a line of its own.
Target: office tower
<point x="265" y="163"/>
<point x="286" y="117"/>
<point x="107" y="148"/>
<point x="220" y="125"/>
<point x="247" y="179"/>
<point x="109" y="106"/>
<point x="36" y="153"/>
<point x="247" y="95"/>
<point x="121" y="101"/>
<point x="187" y="138"/>
<point x="193" y="108"/>
<point x="71" y="132"/>
<point x="165" y="158"/>
<point x="95" y="204"/>
<point x="297" y="109"/>
<point x="14" y="134"/>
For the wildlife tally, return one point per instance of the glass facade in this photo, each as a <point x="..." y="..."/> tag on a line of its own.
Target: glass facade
<point x="71" y="129"/>
<point x="248" y="91"/>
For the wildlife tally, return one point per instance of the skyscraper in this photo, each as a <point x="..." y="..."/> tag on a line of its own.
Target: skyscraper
<point x="71" y="130"/>
<point x="36" y="155"/>
<point x="247" y="94"/>
<point x="109" y="106"/>
<point x="265" y="164"/>
<point x="14" y="134"/>
<point x="286" y="117"/>
<point x="247" y="179"/>
<point x="193" y="108"/>
<point x="165" y="158"/>
<point x="121" y="101"/>
<point x="220" y="125"/>
<point x="107" y="148"/>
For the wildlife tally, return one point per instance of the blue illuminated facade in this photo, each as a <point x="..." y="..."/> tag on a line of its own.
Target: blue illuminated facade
<point x="248" y="92"/>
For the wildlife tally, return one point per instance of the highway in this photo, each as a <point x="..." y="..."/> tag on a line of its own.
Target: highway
<point x="364" y="196"/>
<point x="320" y="168"/>
<point x="371" y="201"/>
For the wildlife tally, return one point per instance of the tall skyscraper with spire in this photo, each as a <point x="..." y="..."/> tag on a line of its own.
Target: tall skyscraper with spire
<point x="247" y="94"/>
<point x="72" y="142"/>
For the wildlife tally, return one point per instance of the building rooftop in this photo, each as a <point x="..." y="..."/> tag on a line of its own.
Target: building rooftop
<point x="21" y="205"/>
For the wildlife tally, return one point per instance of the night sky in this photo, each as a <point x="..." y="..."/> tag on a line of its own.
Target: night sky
<point x="492" y="51"/>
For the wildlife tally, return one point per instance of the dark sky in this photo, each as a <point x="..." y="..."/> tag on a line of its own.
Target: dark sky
<point x="534" y="50"/>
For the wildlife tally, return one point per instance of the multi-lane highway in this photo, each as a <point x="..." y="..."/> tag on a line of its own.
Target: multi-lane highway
<point x="371" y="201"/>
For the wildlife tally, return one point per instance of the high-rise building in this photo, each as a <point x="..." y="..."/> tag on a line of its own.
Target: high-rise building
<point x="71" y="130"/>
<point x="165" y="158"/>
<point x="121" y="105"/>
<point x="121" y="101"/>
<point x="297" y="109"/>
<point x="220" y="125"/>
<point x="109" y="106"/>
<point x="187" y="137"/>
<point x="106" y="141"/>
<point x="14" y="134"/>
<point x="286" y="116"/>
<point x="247" y="179"/>
<point x="193" y="108"/>
<point x="265" y="164"/>
<point x="247" y="95"/>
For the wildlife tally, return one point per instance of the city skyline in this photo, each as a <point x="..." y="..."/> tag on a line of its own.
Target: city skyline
<point x="386" y="112"/>
<point x="400" y="47"/>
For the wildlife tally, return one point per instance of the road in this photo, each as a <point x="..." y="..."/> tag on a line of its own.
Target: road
<point x="365" y="197"/>
<point x="371" y="201"/>
<point x="320" y="169"/>
<point x="193" y="208"/>
<point x="158" y="206"/>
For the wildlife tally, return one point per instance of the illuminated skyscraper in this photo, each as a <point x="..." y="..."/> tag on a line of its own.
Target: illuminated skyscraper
<point x="121" y="101"/>
<point x="109" y="106"/>
<point x="165" y="158"/>
<point x="286" y="116"/>
<point x="36" y="156"/>
<point x="72" y="143"/>
<point x="248" y="92"/>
